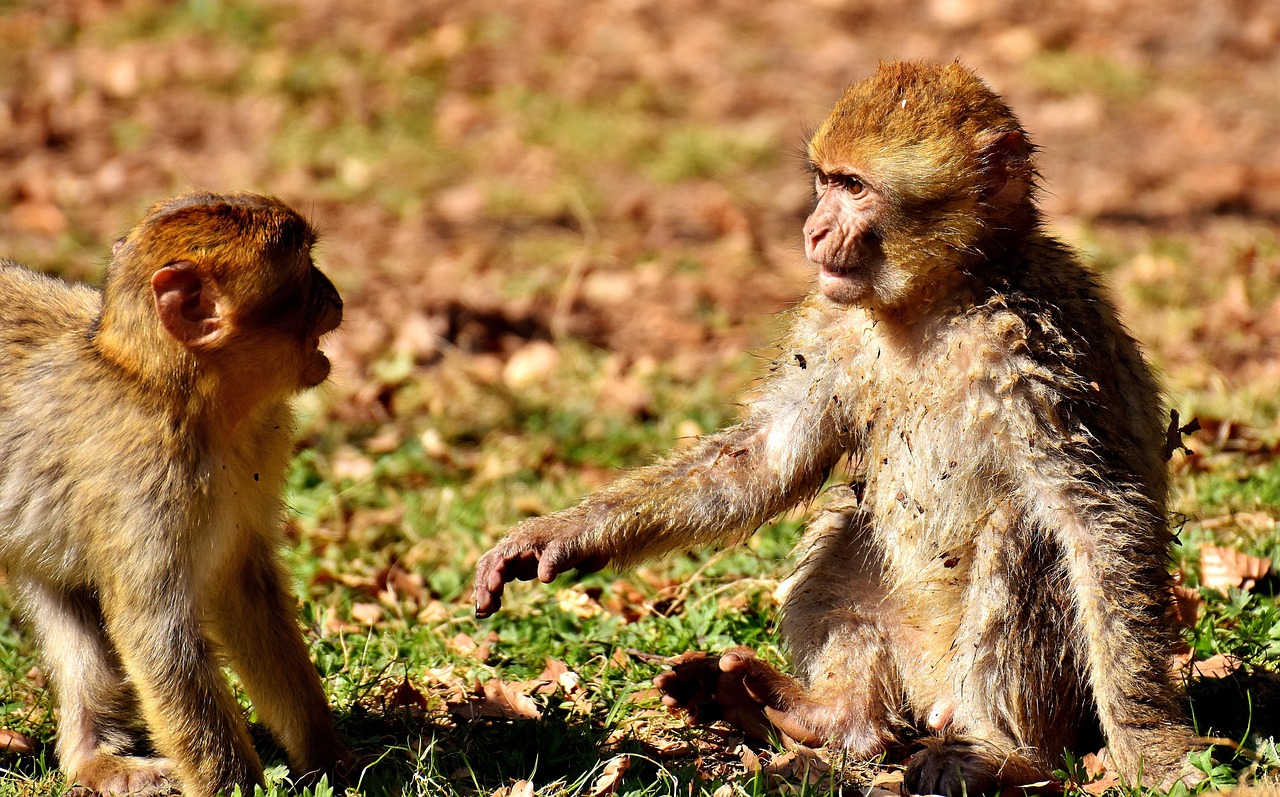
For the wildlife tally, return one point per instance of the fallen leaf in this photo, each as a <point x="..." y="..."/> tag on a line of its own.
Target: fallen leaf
<point x="521" y="788"/>
<point x="1187" y="604"/>
<point x="366" y="613"/>
<point x="667" y="748"/>
<point x="800" y="762"/>
<point x="1102" y="777"/>
<point x="579" y="603"/>
<point x="1223" y="568"/>
<point x="407" y="695"/>
<point x="725" y="790"/>
<point x="495" y="699"/>
<point x="1219" y="666"/>
<point x="15" y="742"/>
<point x="611" y="778"/>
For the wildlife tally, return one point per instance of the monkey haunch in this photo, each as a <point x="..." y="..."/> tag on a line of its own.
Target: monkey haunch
<point x="144" y="436"/>
<point x="1003" y="570"/>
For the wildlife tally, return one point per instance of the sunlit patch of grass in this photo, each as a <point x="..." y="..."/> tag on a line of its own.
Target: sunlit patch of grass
<point x="1071" y="72"/>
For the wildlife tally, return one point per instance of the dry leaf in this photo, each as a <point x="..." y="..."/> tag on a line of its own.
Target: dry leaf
<point x="800" y="762"/>
<point x="725" y="790"/>
<point x="579" y="603"/>
<point x="611" y="778"/>
<point x="1223" y="568"/>
<point x="496" y="699"/>
<point x="667" y="748"/>
<point x="336" y="625"/>
<point x="366" y="613"/>
<point x="521" y="788"/>
<point x="15" y="742"/>
<point x="406" y="694"/>
<point x="1219" y="666"/>
<point x="1103" y="778"/>
<point x="1187" y="604"/>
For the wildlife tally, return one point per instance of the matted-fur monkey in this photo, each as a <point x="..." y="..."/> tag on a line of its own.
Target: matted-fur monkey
<point x="999" y="570"/>
<point x="145" y="432"/>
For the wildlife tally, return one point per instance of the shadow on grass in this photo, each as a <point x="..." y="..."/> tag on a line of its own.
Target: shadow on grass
<point x="1239" y="704"/>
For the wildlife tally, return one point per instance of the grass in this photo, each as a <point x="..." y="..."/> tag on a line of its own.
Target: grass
<point x="411" y="124"/>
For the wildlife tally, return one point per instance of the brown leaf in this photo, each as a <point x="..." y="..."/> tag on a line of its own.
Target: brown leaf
<point x="666" y="748"/>
<point x="15" y="742"/>
<point x="406" y="694"/>
<point x="578" y="602"/>
<point x="1219" y="666"/>
<point x="496" y="699"/>
<point x="611" y="778"/>
<point x="1103" y="777"/>
<point x="1223" y="568"/>
<point x="1187" y="604"/>
<point x="396" y="584"/>
<point x="521" y="788"/>
<point x="800" y="762"/>
<point x="890" y="780"/>
<point x="366" y="613"/>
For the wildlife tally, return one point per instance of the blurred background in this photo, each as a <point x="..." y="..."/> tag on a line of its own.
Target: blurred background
<point x="564" y="229"/>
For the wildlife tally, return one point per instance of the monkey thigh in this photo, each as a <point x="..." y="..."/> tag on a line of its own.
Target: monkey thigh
<point x="839" y="629"/>
<point x="1013" y="691"/>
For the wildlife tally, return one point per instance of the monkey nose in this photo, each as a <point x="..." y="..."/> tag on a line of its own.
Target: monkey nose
<point x="813" y="237"/>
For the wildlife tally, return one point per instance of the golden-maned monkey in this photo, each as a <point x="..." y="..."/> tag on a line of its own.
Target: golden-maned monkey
<point x="145" y="431"/>
<point x="998" y="570"/>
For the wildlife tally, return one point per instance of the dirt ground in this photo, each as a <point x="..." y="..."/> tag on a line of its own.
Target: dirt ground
<point x="485" y="173"/>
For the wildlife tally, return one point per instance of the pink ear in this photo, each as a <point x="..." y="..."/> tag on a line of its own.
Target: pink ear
<point x="186" y="304"/>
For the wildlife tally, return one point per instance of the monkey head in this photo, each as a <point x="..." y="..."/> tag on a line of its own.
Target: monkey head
<point x="226" y="283"/>
<point x="917" y="171"/>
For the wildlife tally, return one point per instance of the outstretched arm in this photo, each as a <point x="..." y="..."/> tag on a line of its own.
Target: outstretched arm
<point x="727" y="482"/>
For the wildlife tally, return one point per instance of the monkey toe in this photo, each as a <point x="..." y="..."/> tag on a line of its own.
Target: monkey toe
<point x="121" y="775"/>
<point x="690" y="686"/>
<point x="956" y="766"/>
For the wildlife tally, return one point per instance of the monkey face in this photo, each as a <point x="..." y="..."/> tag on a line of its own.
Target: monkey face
<point x="840" y="237"/>
<point x="325" y="316"/>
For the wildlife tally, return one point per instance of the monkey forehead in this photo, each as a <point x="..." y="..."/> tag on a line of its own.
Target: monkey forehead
<point x="911" y="116"/>
<point x="205" y="219"/>
<point x="256" y="229"/>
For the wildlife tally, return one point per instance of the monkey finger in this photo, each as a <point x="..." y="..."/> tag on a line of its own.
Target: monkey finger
<point x="523" y="565"/>
<point x="736" y="659"/>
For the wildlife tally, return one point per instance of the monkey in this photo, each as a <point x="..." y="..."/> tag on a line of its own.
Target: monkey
<point x="145" y="431"/>
<point x="995" y="574"/>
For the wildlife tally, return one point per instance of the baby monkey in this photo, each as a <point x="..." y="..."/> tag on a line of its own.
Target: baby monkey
<point x="997" y="573"/>
<point x="145" y="431"/>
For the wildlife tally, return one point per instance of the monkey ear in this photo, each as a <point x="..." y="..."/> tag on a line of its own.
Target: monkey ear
<point x="1007" y="157"/>
<point x="187" y="304"/>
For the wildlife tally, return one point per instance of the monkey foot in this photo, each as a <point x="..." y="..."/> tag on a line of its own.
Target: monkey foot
<point x="739" y="689"/>
<point x="955" y="766"/>
<point x="119" y="775"/>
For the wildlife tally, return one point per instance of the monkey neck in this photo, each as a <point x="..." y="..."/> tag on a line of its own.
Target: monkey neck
<point x="166" y="374"/>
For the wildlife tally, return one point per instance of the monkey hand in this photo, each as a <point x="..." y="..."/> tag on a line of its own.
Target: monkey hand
<point x="542" y="548"/>
<point x="740" y="689"/>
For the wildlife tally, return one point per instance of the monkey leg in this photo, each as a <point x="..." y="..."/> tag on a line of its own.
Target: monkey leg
<point x="848" y="692"/>
<point x="1009" y="699"/>
<point x="189" y="709"/>
<point x="98" y="712"/>
<point x="256" y="625"/>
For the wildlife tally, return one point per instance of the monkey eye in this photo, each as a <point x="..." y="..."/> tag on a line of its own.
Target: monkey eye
<point x="845" y="182"/>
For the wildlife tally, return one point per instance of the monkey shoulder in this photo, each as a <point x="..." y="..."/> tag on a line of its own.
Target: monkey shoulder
<point x="29" y="298"/>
